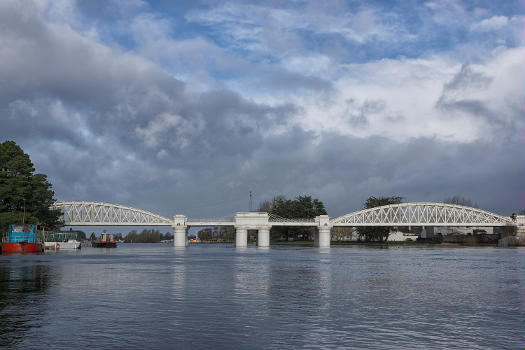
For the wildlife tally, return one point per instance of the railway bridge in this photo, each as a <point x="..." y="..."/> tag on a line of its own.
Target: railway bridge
<point x="404" y="214"/>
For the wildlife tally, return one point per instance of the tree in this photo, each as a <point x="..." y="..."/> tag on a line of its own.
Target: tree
<point x="217" y="233"/>
<point x="205" y="234"/>
<point x="508" y="230"/>
<point x="24" y="196"/>
<point x="92" y="237"/>
<point x="300" y="207"/>
<point x="146" y="236"/>
<point x="226" y="233"/>
<point x="340" y="233"/>
<point x="377" y="233"/>
<point x="81" y="234"/>
<point x="460" y="200"/>
<point x="265" y="206"/>
<point x="78" y="234"/>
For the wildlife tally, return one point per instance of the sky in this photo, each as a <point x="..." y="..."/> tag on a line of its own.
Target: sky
<point x="184" y="107"/>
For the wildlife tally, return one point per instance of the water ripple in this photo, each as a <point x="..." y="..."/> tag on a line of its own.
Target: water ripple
<point x="217" y="297"/>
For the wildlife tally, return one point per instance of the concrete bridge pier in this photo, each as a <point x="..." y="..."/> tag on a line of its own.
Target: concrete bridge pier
<point x="322" y="237"/>
<point x="322" y="234"/>
<point x="251" y="220"/>
<point x="241" y="237"/>
<point x="180" y="236"/>
<point x="263" y="237"/>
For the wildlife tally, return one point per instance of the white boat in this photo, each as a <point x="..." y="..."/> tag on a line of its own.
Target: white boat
<point x="70" y="244"/>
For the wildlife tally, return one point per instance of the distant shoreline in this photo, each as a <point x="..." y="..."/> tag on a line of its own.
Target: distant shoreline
<point x="388" y="244"/>
<point x="353" y="243"/>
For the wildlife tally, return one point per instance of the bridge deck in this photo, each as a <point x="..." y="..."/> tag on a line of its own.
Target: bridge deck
<point x="416" y="224"/>
<point x="87" y="223"/>
<point x="292" y="223"/>
<point x="210" y="223"/>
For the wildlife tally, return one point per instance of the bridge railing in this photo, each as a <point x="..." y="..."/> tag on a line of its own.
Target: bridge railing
<point x="277" y="218"/>
<point x="211" y="220"/>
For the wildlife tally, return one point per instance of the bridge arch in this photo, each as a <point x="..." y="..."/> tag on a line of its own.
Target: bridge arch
<point x="106" y="214"/>
<point x="422" y="214"/>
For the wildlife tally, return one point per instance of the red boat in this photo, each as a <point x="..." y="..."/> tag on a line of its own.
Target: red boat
<point x="107" y="240"/>
<point x="22" y="239"/>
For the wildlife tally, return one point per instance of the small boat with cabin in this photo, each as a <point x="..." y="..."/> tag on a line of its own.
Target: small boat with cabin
<point x="62" y="240"/>
<point x="22" y="238"/>
<point x="107" y="240"/>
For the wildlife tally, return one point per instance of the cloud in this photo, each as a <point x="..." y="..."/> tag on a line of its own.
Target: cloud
<point x="188" y="122"/>
<point x="276" y="30"/>
<point x="68" y="87"/>
<point x="490" y="24"/>
<point x="434" y="97"/>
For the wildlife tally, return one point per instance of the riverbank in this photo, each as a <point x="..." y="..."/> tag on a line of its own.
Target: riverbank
<point x="388" y="244"/>
<point x="340" y="243"/>
<point x="369" y="244"/>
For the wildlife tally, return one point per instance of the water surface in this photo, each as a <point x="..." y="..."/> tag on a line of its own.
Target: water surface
<point x="218" y="297"/>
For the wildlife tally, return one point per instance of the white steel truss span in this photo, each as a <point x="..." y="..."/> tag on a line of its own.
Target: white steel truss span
<point x="422" y="214"/>
<point x="97" y="213"/>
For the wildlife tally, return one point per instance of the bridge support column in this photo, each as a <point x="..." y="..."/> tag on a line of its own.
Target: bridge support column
<point x="241" y="237"/>
<point x="263" y="237"/>
<point x="180" y="237"/>
<point x="322" y="237"/>
<point x="322" y="234"/>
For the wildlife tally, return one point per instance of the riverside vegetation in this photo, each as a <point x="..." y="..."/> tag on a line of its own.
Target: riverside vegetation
<point x="25" y="196"/>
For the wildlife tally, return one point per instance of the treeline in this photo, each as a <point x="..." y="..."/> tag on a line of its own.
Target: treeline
<point x="147" y="236"/>
<point x="306" y="207"/>
<point x="217" y="234"/>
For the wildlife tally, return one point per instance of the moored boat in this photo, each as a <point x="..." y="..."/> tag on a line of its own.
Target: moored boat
<point x="107" y="240"/>
<point x="62" y="240"/>
<point x="22" y="238"/>
<point x="69" y="244"/>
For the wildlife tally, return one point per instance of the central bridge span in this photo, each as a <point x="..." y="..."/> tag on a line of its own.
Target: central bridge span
<point x="404" y="214"/>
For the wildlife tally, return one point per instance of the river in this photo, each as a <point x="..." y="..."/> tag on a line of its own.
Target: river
<point x="217" y="297"/>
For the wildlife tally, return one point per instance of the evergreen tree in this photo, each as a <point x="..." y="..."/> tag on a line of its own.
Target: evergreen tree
<point x="301" y="207"/>
<point x="24" y="196"/>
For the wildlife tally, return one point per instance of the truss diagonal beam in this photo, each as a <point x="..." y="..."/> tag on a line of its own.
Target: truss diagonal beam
<point x="98" y="213"/>
<point x="422" y="214"/>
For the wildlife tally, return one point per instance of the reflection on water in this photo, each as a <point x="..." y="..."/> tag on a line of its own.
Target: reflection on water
<point x="22" y="298"/>
<point x="219" y="297"/>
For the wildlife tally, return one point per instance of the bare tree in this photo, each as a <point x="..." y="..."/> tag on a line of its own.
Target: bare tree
<point x="509" y="230"/>
<point x="340" y="233"/>
<point x="265" y="206"/>
<point x="460" y="200"/>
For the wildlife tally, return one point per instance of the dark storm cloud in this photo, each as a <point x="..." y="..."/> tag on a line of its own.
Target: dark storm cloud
<point x="344" y="171"/>
<point x="103" y="120"/>
<point x="110" y="126"/>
